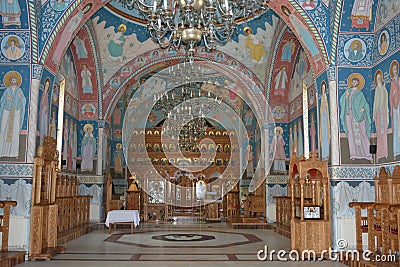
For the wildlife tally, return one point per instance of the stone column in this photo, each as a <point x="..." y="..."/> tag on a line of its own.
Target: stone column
<point x="32" y="120"/>
<point x="333" y="105"/>
<point x="99" y="168"/>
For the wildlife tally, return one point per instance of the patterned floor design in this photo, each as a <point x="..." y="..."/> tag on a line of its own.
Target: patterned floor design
<point x="174" y="245"/>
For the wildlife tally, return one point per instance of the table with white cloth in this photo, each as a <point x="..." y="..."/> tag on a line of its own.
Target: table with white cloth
<point x="115" y="217"/>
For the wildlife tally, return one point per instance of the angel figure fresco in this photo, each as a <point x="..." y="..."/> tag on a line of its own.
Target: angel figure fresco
<point x="44" y="110"/>
<point x="255" y="46"/>
<point x="80" y="48"/>
<point x="87" y="86"/>
<point x="355" y="51"/>
<point x="361" y="14"/>
<point x="12" y="113"/>
<point x="280" y="81"/>
<point x="383" y="45"/>
<point x="300" y="140"/>
<point x="10" y="12"/>
<point x="118" y="155"/>
<point x="116" y="45"/>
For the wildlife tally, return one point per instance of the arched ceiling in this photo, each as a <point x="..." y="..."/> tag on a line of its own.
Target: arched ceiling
<point x="119" y="66"/>
<point x="71" y="21"/>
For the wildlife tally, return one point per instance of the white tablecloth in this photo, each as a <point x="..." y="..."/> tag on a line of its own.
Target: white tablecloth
<point x="116" y="216"/>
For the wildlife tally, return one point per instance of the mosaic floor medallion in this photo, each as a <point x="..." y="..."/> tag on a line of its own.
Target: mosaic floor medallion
<point x="183" y="237"/>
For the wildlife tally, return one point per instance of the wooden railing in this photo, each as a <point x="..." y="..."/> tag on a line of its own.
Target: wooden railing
<point x="283" y="214"/>
<point x="73" y="217"/>
<point x="66" y="186"/>
<point x="73" y="210"/>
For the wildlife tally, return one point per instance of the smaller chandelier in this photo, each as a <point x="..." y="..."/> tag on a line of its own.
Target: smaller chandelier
<point x="179" y="106"/>
<point x="173" y="22"/>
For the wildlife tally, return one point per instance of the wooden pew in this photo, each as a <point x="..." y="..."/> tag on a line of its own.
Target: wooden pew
<point x="8" y="258"/>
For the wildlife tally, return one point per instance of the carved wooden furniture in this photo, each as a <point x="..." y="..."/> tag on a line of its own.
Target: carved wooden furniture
<point x="254" y="205"/>
<point x="44" y="211"/>
<point x="5" y="222"/>
<point x="111" y="204"/>
<point x="362" y="221"/>
<point x="310" y="204"/>
<point x="58" y="214"/>
<point x="233" y="203"/>
<point x="154" y="200"/>
<point x="73" y="210"/>
<point x="394" y="226"/>
<point x="382" y="219"/>
<point x="8" y="258"/>
<point x="212" y="211"/>
<point x="133" y="195"/>
<point x="283" y="214"/>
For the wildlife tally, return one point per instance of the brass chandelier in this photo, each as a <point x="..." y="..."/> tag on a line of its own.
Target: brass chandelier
<point x="173" y="22"/>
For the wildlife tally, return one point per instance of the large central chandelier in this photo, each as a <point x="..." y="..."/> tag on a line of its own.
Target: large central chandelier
<point x="173" y="22"/>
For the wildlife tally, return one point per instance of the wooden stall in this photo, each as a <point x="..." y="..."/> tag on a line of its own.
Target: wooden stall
<point x="232" y="203"/>
<point x="111" y="202"/>
<point x="309" y="191"/>
<point x="254" y="206"/>
<point x="380" y="220"/>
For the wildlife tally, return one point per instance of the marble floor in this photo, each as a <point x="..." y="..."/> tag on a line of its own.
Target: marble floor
<point x="207" y="244"/>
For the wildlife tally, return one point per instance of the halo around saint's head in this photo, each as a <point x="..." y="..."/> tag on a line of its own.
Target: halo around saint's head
<point x="394" y="63"/>
<point x="360" y="78"/>
<point x="13" y="38"/>
<point x="247" y="30"/>
<point x="278" y="128"/>
<point x="88" y="128"/>
<point x="376" y="76"/>
<point x="12" y="74"/>
<point x="122" y="27"/>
